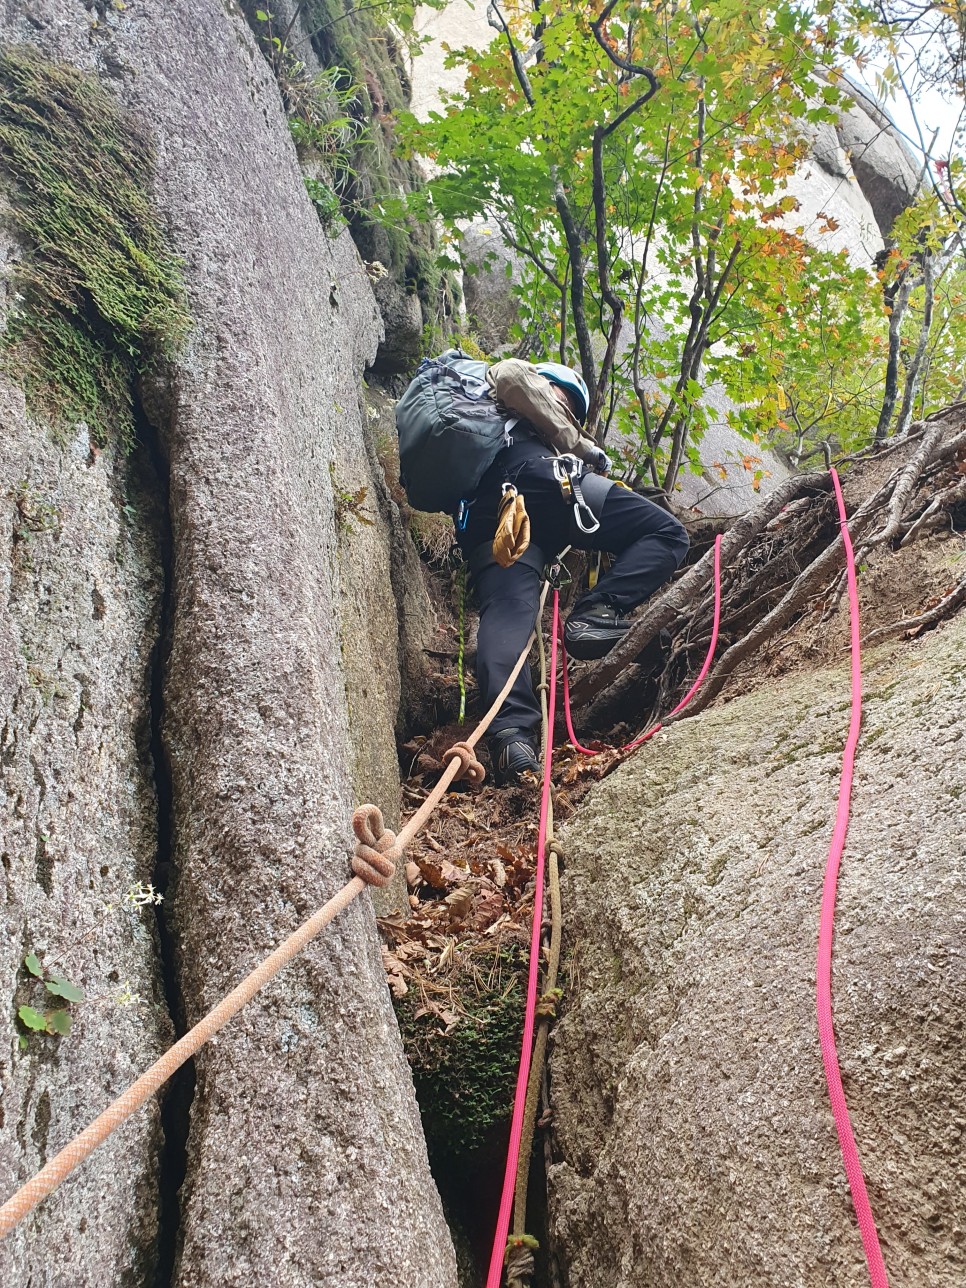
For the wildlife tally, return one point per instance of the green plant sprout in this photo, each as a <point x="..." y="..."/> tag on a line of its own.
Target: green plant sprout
<point x="57" y="1021"/>
<point x="348" y="505"/>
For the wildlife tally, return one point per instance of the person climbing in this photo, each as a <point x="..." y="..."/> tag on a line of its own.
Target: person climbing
<point x="570" y="501"/>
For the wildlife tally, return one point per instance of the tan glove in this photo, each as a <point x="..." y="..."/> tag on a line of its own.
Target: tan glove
<point x="512" y="528"/>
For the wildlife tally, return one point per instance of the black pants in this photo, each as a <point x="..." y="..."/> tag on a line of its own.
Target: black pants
<point x="649" y="544"/>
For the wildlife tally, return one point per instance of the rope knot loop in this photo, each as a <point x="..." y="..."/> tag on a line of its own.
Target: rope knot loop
<point x="470" y="767"/>
<point x="519" y="1260"/>
<point x="372" y="859"/>
<point x="547" y="1004"/>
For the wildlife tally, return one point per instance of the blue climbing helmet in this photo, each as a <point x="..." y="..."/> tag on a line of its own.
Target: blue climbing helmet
<point x="569" y="380"/>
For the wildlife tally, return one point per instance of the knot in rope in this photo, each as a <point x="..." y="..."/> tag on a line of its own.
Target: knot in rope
<point x="470" y="767"/>
<point x="519" y="1260"/>
<point x="547" y="1004"/>
<point x="370" y="859"/>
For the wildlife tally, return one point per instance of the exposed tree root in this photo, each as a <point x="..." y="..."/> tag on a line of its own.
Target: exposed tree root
<point x="780" y="561"/>
<point x="945" y="608"/>
<point x="936" y="512"/>
<point x="676" y="604"/>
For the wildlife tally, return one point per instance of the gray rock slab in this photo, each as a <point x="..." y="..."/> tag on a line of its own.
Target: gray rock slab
<point x="883" y="165"/>
<point x="80" y="590"/>
<point x="696" y="1140"/>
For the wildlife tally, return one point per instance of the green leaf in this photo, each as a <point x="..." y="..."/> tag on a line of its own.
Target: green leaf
<point x="22" y="1042"/>
<point x="32" y="1019"/>
<point x="62" y="988"/>
<point x="58" y="1022"/>
<point x="32" y="962"/>
<point x="261" y="15"/>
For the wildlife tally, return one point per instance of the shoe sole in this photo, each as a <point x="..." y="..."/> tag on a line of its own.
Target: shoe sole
<point x="590" y="643"/>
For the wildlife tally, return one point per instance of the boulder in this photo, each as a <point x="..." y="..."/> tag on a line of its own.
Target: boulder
<point x="402" y="317"/>
<point x="882" y="164"/>
<point x="695" y="1140"/>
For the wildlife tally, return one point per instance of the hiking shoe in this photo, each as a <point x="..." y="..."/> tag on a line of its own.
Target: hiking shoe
<point x="591" y="632"/>
<point x="513" y="753"/>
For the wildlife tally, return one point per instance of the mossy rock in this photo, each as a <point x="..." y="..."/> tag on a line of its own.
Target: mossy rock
<point x="360" y="41"/>
<point x="465" y="1078"/>
<point x="98" y="294"/>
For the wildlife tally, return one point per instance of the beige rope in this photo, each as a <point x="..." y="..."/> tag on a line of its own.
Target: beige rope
<point x="373" y="862"/>
<point x="82" y="1146"/>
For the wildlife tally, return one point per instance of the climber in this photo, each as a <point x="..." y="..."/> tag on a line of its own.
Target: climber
<point x="569" y="502"/>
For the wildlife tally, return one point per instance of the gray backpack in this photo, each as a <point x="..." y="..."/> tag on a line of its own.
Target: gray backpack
<point x="450" y="432"/>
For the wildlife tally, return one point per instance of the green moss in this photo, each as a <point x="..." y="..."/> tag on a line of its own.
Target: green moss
<point x="464" y="1079"/>
<point x="361" y="41"/>
<point x="99" y="294"/>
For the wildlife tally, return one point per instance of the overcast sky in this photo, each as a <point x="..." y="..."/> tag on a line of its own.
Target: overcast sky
<point x="933" y="110"/>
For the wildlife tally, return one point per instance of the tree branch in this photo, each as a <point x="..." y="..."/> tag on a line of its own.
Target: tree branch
<point x="501" y="25"/>
<point x="623" y="63"/>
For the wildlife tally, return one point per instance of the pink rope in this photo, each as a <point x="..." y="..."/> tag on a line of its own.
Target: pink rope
<point x="826" y="1030"/>
<point x="644" y="737"/>
<point x="523" y="1072"/>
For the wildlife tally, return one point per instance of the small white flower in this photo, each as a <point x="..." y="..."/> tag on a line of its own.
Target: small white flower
<point x="142" y="894"/>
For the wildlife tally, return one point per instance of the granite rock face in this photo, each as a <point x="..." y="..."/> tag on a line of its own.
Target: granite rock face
<point x="79" y="618"/>
<point x="488" y="265"/>
<point x="696" y="1139"/>
<point x="304" y="1133"/>
<point x="882" y="164"/>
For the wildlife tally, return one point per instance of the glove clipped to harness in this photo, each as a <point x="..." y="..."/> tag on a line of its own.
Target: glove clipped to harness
<point x="512" y="528"/>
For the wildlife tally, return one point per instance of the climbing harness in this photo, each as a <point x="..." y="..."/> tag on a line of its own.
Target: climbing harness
<point x="512" y="536"/>
<point x="568" y="470"/>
